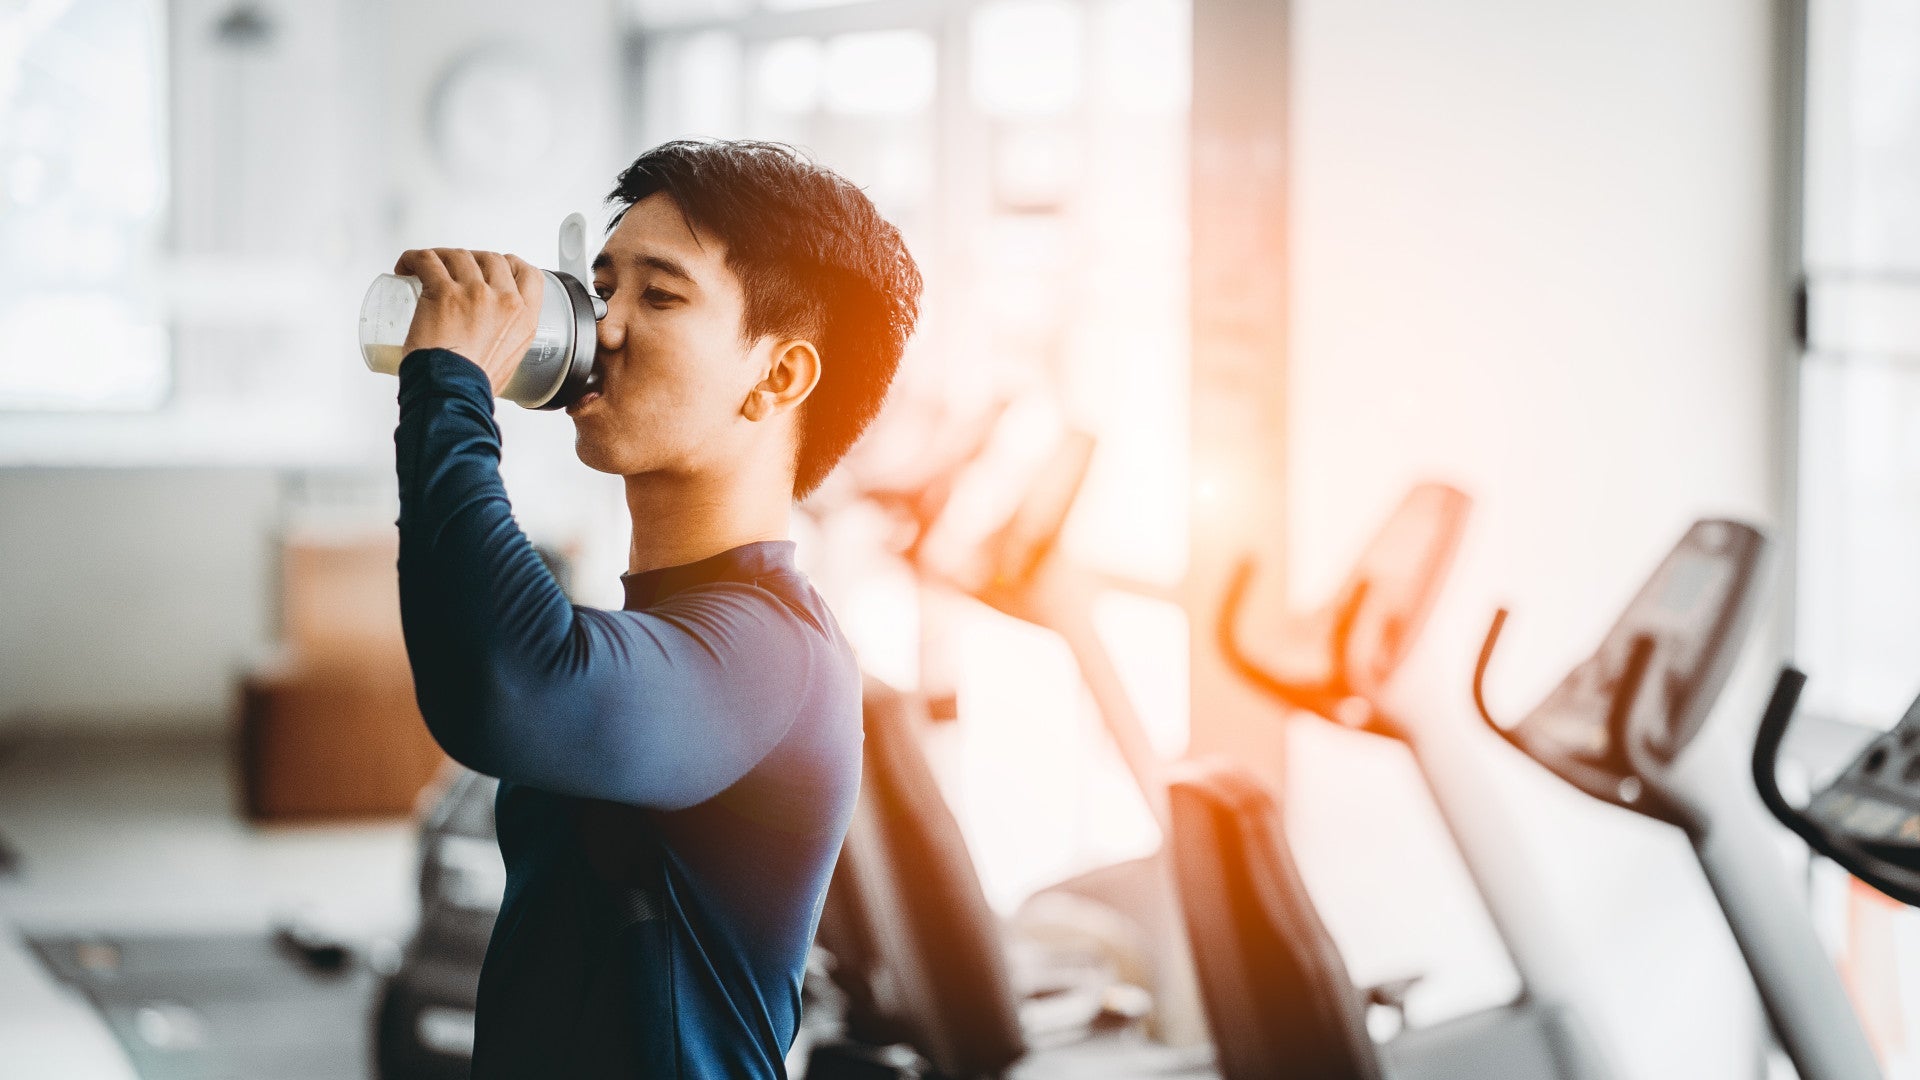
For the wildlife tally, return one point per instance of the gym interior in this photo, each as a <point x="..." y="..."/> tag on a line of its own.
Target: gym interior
<point x="1388" y="554"/>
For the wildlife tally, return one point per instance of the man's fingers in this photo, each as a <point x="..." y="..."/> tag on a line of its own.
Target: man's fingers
<point x="425" y="265"/>
<point x="526" y="277"/>
<point x="480" y="304"/>
<point x="461" y="264"/>
<point x="439" y="268"/>
<point x="499" y="273"/>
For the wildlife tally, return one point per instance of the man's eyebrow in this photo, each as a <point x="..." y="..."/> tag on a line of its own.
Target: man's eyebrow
<point x="661" y="263"/>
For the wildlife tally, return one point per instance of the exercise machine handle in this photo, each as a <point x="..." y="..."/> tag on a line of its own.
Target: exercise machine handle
<point x="1498" y="624"/>
<point x="1322" y="699"/>
<point x="1766" y="756"/>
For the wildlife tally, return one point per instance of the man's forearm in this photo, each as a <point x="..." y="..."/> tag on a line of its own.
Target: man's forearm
<point x="476" y="602"/>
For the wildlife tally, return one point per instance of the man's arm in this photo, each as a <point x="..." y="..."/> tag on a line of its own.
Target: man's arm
<point x="665" y="707"/>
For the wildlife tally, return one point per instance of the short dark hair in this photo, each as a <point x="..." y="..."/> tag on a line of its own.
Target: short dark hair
<point x="816" y="261"/>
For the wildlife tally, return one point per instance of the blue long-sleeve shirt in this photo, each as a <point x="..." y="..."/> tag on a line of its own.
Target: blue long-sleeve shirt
<point x="677" y="776"/>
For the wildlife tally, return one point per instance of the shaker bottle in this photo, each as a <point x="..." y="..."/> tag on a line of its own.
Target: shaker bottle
<point x="557" y="368"/>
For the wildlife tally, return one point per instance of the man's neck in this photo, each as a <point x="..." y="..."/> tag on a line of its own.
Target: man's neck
<point x="679" y="520"/>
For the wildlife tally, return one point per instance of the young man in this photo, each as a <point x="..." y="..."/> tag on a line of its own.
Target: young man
<point x="677" y="776"/>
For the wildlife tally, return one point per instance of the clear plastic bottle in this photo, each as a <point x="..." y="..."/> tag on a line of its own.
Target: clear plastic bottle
<point x="385" y="315"/>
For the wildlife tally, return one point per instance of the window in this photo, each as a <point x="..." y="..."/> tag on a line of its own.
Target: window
<point x="1858" y="578"/>
<point x="83" y="194"/>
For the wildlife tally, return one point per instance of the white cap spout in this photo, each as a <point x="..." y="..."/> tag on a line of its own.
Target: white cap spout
<point x="573" y="257"/>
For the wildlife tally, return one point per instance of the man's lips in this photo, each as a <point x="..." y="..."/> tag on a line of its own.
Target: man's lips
<point x="586" y="400"/>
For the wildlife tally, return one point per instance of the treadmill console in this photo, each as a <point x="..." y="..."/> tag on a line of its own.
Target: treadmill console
<point x="1868" y="818"/>
<point x="1393" y="587"/>
<point x="1616" y="722"/>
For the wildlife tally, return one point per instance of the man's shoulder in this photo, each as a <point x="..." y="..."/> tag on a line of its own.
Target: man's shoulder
<point x="786" y="594"/>
<point x="787" y="598"/>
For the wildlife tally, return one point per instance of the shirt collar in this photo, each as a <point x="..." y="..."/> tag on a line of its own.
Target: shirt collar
<point x="744" y="563"/>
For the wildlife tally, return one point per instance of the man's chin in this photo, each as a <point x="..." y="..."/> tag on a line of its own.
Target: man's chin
<point x="593" y="455"/>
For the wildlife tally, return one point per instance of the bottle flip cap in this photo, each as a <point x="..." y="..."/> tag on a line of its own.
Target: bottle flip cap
<point x="581" y="376"/>
<point x="573" y="256"/>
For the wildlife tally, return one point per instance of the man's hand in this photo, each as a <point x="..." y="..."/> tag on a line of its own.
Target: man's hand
<point x="480" y="304"/>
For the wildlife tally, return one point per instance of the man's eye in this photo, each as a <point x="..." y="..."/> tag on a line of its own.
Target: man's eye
<point x="658" y="296"/>
<point x="604" y="292"/>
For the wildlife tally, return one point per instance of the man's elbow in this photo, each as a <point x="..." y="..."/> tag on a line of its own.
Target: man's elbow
<point x="463" y="730"/>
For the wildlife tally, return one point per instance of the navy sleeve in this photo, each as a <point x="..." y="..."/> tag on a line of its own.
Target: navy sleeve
<point x="665" y="707"/>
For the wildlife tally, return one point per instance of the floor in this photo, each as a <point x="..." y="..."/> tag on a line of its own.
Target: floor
<point x="137" y="921"/>
<point x="143" y="834"/>
<point x="222" y="1007"/>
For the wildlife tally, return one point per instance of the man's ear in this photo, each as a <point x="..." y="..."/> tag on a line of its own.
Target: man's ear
<point x="793" y="370"/>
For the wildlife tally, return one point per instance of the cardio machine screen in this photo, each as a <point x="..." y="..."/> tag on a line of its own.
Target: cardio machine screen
<point x="1358" y="638"/>
<point x="1689" y="577"/>
<point x="1402" y="571"/>
<point x="1688" y="619"/>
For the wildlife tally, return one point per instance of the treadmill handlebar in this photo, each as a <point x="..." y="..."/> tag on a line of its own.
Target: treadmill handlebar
<point x="1332" y="698"/>
<point x="1498" y="624"/>
<point x="1617" y="722"/>
<point x="921" y="499"/>
<point x="1854" y="854"/>
<point x="1366" y="631"/>
<point x="1613" y="773"/>
<point x="1620" y="708"/>
<point x="1766" y="755"/>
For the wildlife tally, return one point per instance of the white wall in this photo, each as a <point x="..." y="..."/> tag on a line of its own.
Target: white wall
<point x="130" y="598"/>
<point x="1532" y="248"/>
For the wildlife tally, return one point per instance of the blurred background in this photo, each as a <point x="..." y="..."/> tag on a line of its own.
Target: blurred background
<point x="1605" y="268"/>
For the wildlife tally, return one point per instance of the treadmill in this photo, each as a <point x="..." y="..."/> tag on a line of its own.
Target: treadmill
<point x="911" y="943"/>
<point x="1279" y="997"/>
<point x="919" y="958"/>
<point x="1257" y="972"/>
<point x="917" y="952"/>
<point x="1867" y="818"/>
<point x="1616" y="728"/>
<point x="1242" y="890"/>
<point x="1015" y="568"/>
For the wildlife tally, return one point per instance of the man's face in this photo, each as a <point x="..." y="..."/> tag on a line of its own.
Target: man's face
<point x="674" y="370"/>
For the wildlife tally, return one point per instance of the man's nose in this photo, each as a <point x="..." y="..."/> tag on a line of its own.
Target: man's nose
<point x="612" y="331"/>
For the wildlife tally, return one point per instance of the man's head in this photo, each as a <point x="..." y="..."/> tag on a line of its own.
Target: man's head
<point x="756" y="303"/>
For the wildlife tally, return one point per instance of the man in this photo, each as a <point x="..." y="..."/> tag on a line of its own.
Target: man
<point x="677" y="776"/>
